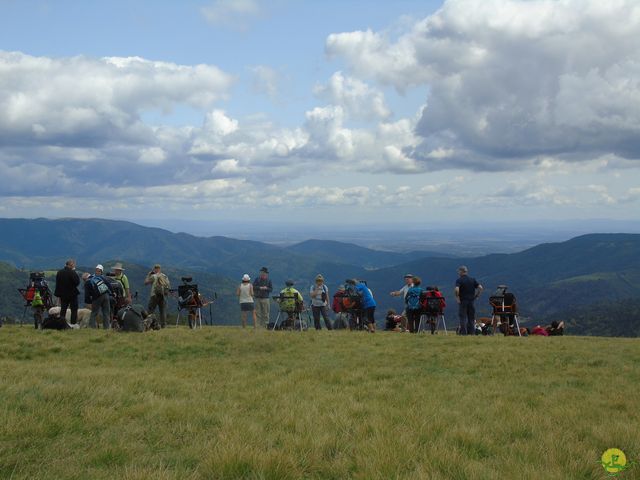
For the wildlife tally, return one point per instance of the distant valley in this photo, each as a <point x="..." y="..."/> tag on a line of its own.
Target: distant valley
<point x="553" y="280"/>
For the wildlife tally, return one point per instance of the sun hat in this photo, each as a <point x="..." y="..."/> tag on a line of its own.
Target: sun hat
<point x="264" y="269"/>
<point x="118" y="266"/>
<point x="319" y="277"/>
<point x="246" y="278"/>
<point x="99" y="267"/>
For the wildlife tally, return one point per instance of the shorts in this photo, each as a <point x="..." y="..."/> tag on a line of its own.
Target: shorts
<point x="246" y="307"/>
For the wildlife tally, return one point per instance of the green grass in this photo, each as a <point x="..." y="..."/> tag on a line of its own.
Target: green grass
<point x="227" y="403"/>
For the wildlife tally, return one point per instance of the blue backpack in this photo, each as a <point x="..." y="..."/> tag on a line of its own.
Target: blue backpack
<point x="99" y="285"/>
<point x="413" y="298"/>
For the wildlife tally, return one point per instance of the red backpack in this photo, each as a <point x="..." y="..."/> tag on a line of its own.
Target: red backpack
<point x="432" y="301"/>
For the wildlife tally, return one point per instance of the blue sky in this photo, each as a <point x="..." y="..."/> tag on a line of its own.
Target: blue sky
<point x="303" y="110"/>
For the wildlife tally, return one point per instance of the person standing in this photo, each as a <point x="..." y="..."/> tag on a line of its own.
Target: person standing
<point x="245" y="297"/>
<point x="320" y="303"/>
<point x="466" y="291"/>
<point x="412" y="304"/>
<point x="368" y="304"/>
<point x="97" y="293"/>
<point x="408" y="279"/>
<point x="118" y="269"/>
<point x="159" y="292"/>
<point x="67" y="282"/>
<point x="262" y="289"/>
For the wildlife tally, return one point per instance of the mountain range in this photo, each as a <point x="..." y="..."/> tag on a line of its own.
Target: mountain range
<point x="550" y="280"/>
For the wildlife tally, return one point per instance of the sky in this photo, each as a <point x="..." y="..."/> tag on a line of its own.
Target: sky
<point x="333" y="112"/>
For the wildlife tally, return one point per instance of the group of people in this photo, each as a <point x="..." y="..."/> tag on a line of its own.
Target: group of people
<point x="354" y="305"/>
<point x="353" y="302"/>
<point x="417" y="304"/>
<point x="108" y="295"/>
<point x="255" y="298"/>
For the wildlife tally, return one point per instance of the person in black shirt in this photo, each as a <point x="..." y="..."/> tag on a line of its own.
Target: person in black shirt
<point x="467" y="290"/>
<point x="67" y="282"/>
<point x="262" y="288"/>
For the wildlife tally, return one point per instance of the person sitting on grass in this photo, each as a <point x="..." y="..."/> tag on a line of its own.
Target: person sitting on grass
<point x="394" y="322"/>
<point x="555" y="329"/>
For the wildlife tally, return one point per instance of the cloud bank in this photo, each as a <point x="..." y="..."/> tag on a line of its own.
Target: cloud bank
<point x="544" y="87"/>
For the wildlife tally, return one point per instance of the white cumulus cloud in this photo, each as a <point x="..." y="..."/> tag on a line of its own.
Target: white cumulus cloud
<point x="510" y="81"/>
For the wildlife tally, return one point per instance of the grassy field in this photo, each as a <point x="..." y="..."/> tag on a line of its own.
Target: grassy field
<point x="227" y="403"/>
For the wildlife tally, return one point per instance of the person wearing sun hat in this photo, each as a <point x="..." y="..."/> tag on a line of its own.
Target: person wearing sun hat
<point x="118" y="269"/>
<point x="320" y="302"/>
<point x="245" y="298"/>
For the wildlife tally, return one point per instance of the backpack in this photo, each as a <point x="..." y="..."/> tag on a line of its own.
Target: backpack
<point x="37" y="300"/>
<point x="432" y="301"/>
<point x="162" y="285"/>
<point x="100" y="287"/>
<point x="350" y="298"/>
<point x="131" y="319"/>
<point x="336" y="305"/>
<point x="413" y="298"/>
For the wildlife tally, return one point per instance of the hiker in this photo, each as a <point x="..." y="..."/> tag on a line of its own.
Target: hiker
<point x="555" y="329"/>
<point x="466" y="291"/>
<point x="97" y="293"/>
<point x="337" y="305"/>
<point x="159" y="292"/>
<point x="245" y="297"/>
<point x="67" y="282"/>
<point x="368" y="304"/>
<point x="412" y="304"/>
<point x="262" y="289"/>
<point x="408" y="278"/>
<point x="320" y="303"/>
<point x="118" y="269"/>
<point x="291" y="303"/>
<point x="394" y="322"/>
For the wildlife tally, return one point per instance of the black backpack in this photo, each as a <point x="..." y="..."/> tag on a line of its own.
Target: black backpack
<point x="130" y="319"/>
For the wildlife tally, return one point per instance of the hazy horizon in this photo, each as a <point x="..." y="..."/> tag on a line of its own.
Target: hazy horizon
<point x="468" y="239"/>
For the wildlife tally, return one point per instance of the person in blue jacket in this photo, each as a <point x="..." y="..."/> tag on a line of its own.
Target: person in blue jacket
<point x="368" y="304"/>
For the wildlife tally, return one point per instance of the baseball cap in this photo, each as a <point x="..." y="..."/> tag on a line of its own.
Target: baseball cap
<point x="246" y="277"/>
<point x="99" y="267"/>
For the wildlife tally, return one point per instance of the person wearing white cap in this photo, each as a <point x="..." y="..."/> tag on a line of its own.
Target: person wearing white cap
<point x="97" y="292"/>
<point x="245" y="298"/>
